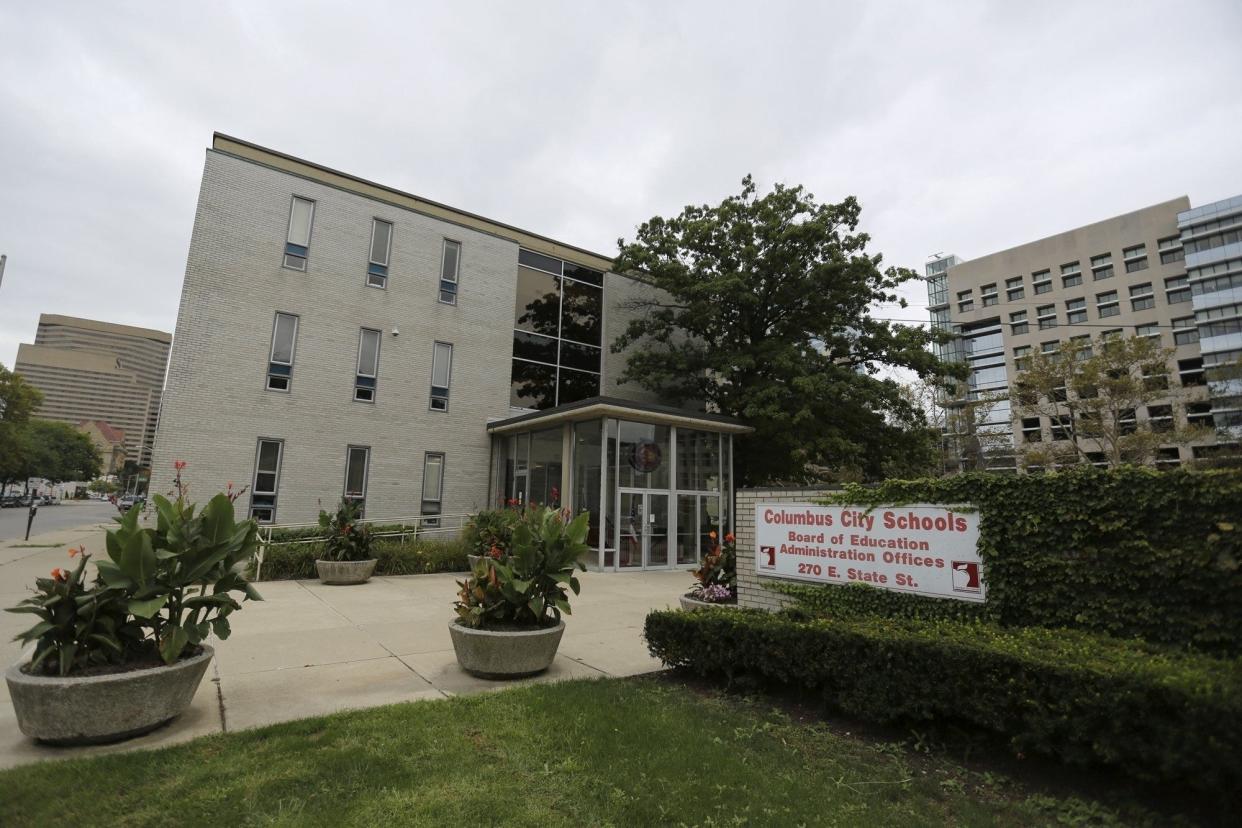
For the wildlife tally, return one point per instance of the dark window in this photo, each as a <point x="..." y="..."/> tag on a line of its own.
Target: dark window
<point x="266" y="480"/>
<point x="357" y="459"/>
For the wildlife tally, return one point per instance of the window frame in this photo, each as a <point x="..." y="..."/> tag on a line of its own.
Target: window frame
<point x="359" y="376"/>
<point x="379" y="270"/>
<point x="433" y="398"/>
<point x="271" y="354"/>
<point x="254" y="479"/>
<point x="304" y="254"/>
<point x="438" y="500"/>
<point x="456" y="281"/>
<point x="366" y="475"/>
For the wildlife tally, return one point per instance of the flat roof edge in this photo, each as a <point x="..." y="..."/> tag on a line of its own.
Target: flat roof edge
<point x="248" y="151"/>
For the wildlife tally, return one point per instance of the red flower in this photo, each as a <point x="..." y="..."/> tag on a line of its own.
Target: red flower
<point x="729" y="538"/>
<point x="81" y="550"/>
<point x="178" y="464"/>
<point x="712" y="534"/>
<point x="60" y="575"/>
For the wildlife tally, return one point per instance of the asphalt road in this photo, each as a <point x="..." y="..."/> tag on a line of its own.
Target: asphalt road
<point x="53" y="518"/>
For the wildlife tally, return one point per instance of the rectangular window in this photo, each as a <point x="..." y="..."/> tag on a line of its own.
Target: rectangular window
<point x="1082" y="347"/>
<point x="1061" y="426"/>
<point x="1176" y="290"/>
<point x="1014" y="290"/>
<point x="1190" y="372"/>
<point x="1031" y="432"/>
<point x="1136" y="258"/>
<point x="1150" y="331"/>
<point x="433" y="485"/>
<point x="1017" y="323"/>
<point x="357" y="460"/>
<point x="1047" y="316"/>
<point x="1160" y="417"/>
<point x="450" y="269"/>
<point x="280" y="361"/>
<point x="381" y="247"/>
<point x="1071" y="274"/>
<point x="1041" y="281"/>
<point x="1022" y="357"/>
<point x="368" y="365"/>
<point x="1184" y="331"/>
<point x="1167" y="458"/>
<point x="1049" y="348"/>
<point x="1102" y="266"/>
<point x="965" y="302"/>
<point x="297" y="242"/>
<point x="1171" y="250"/>
<point x="441" y="375"/>
<point x="1106" y="304"/>
<point x="1076" y="311"/>
<point x="1142" y="297"/>
<point x="989" y="294"/>
<point x="266" y="480"/>
<point x="1199" y="414"/>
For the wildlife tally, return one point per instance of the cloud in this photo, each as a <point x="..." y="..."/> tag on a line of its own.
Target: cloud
<point x="966" y="128"/>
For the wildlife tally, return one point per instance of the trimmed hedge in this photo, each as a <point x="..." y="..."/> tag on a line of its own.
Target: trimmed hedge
<point x="1129" y="552"/>
<point x="305" y="532"/>
<point x="1082" y="698"/>
<point x="393" y="557"/>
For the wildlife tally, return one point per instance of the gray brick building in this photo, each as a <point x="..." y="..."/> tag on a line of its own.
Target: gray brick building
<point x="338" y="338"/>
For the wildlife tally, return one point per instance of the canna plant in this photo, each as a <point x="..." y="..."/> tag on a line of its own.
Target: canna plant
<point x="529" y="588"/>
<point x="345" y="538"/>
<point x="179" y="576"/>
<point x="715" y="581"/>
<point x="79" y="626"/>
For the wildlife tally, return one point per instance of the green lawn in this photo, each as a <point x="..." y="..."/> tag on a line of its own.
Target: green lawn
<point x="611" y="752"/>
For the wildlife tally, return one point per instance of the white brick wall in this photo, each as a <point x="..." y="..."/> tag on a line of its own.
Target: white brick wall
<point x="750" y="590"/>
<point x="216" y="404"/>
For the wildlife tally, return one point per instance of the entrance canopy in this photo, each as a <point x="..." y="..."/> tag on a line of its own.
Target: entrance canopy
<point x="655" y="480"/>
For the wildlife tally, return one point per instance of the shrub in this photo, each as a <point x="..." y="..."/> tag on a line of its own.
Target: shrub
<point x="393" y="557"/>
<point x="1083" y="698"/>
<point x="344" y="538"/>
<point x="1128" y="552"/>
<point x="526" y="588"/>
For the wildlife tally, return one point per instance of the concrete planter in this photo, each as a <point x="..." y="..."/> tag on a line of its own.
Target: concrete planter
<point x="473" y="560"/>
<point x="688" y="603"/>
<point x="96" y="709"/>
<point x="345" y="572"/>
<point x="502" y="654"/>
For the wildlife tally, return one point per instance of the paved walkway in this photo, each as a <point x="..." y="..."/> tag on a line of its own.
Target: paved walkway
<point x="310" y="649"/>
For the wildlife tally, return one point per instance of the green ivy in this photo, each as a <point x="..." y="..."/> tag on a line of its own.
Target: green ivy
<point x="1083" y="698"/>
<point x="1131" y="552"/>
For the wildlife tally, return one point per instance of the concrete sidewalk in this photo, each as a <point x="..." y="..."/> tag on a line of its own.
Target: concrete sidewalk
<point x="310" y="649"/>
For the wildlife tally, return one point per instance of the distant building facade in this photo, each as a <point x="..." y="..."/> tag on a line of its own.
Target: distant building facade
<point x="1165" y="272"/>
<point x="109" y="441"/>
<point x="91" y="370"/>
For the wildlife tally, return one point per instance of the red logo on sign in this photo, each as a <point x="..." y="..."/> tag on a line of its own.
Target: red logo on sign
<point x="770" y="563"/>
<point x="966" y="577"/>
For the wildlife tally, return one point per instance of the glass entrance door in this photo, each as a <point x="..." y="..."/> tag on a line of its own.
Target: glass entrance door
<point x="643" y="529"/>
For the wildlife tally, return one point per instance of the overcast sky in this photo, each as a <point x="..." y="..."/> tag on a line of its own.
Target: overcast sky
<point x="962" y="127"/>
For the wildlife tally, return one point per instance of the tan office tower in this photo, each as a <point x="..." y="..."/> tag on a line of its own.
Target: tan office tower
<point x="90" y="370"/>
<point x="1124" y="276"/>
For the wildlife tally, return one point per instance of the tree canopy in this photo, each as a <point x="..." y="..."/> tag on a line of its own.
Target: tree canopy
<point x="763" y="311"/>
<point x="31" y="447"/>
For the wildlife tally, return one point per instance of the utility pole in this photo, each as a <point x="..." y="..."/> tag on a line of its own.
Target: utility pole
<point x="3" y="259"/>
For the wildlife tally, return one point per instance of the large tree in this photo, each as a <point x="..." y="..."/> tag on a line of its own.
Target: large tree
<point x="763" y="311"/>
<point x="54" y="451"/>
<point x="18" y="400"/>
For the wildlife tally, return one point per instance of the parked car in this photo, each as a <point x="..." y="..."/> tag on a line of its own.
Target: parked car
<point x="129" y="501"/>
<point x="10" y="501"/>
<point x="49" y="500"/>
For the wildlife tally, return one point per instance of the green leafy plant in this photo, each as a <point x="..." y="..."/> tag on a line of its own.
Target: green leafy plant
<point x="346" y="539"/>
<point x="393" y="557"/>
<point x="490" y="532"/>
<point x="529" y="588"/>
<point x="716" y="578"/>
<point x="178" y="576"/>
<point x="79" y="626"/>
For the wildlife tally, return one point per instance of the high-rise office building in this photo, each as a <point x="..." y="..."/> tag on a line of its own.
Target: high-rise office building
<point x="1145" y="273"/>
<point x="91" y="370"/>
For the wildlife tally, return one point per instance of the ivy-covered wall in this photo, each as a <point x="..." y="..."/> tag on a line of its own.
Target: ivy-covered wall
<point x="1129" y="552"/>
